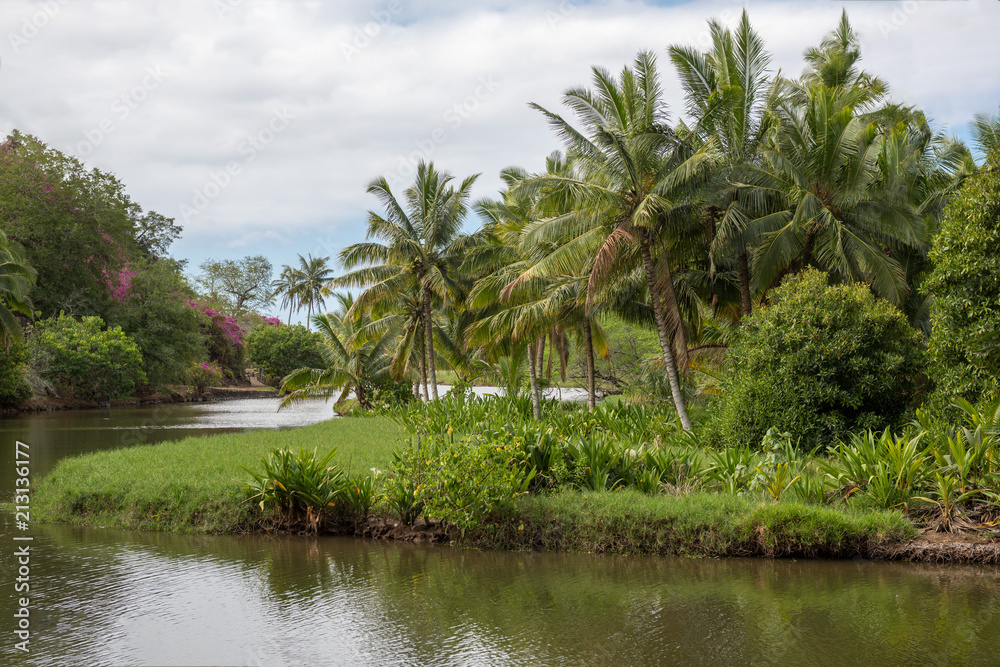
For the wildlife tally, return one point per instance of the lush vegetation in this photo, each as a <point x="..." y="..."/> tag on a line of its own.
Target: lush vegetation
<point x="275" y="351"/>
<point x="820" y="362"/>
<point x="802" y="269"/>
<point x="87" y="359"/>
<point x="965" y="283"/>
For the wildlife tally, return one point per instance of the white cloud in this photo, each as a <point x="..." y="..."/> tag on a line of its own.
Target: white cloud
<point x="359" y="114"/>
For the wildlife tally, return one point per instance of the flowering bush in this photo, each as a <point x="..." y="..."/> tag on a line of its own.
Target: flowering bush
<point x="203" y="376"/>
<point x="225" y="339"/>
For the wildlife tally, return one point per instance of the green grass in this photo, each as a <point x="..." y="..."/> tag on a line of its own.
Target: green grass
<point x="194" y="485"/>
<point x="703" y="524"/>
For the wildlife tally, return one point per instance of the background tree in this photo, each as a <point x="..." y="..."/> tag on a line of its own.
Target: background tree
<point x="312" y="285"/>
<point x="635" y="191"/>
<point x="239" y="286"/>
<point x="75" y="224"/>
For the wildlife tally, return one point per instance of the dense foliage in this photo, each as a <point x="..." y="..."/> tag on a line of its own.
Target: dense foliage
<point x="14" y="386"/>
<point x="820" y="362"/>
<point x="156" y="316"/>
<point x="87" y="360"/>
<point x="965" y="285"/>
<point x="276" y="351"/>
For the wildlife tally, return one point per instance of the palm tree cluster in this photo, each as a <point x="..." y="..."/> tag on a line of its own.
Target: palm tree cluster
<point x="683" y="227"/>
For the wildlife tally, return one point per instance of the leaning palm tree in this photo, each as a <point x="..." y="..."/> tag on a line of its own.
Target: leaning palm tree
<point x="420" y="248"/>
<point x="352" y="362"/>
<point x="16" y="277"/>
<point x="635" y="190"/>
<point x="314" y="277"/>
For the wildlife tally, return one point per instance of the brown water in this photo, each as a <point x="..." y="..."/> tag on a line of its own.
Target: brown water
<point x="105" y="597"/>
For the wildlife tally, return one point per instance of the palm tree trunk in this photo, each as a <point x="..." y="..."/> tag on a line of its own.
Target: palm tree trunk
<point x="536" y="404"/>
<point x="745" y="285"/>
<point x="589" y="344"/>
<point x="423" y="368"/>
<point x="429" y="335"/>
<point x="661" y="330"/>
<point x="563" y="355"/>
<point x="290" y="304"/>
<point x="552" y="350"/>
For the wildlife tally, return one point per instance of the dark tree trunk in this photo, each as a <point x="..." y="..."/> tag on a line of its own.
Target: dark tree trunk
<point x="423" y="368"/>
<point x="745" y="285"/>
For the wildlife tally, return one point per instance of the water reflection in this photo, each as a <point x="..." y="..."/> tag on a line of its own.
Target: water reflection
<point x="107" y="597"/>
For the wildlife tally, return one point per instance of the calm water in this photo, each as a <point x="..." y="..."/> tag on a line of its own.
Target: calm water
<point x="104" y="597"/>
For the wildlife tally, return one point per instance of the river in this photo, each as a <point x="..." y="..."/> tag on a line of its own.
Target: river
<point x="107" y="597"/>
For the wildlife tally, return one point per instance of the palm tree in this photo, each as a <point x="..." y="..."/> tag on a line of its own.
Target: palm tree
<point x="16" y="277"/>
<point x="636" y="192"/>
<point x="353" y="361"/>
<point x="824" y="161"/>
<point x="986" y="133"/>
<point x="314" y="277"/>
<point x="288" y="285"/>
<point x="729" y="96"/>
<point x="420" y="251"/>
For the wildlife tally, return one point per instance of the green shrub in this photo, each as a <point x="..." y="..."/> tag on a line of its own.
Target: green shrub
<point x="276" y="351"/>
<point x="819" y="362"/>
<point x="14" y="387"/>
<point x="203" y="376"/>
<point x="86" y="359"/>
<point x="965" y="285"/>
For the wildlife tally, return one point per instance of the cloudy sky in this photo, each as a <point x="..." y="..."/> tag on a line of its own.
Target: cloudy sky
<point x="258" y="123"/>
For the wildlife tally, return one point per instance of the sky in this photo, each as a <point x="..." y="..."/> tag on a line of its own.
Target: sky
<point x="257" y="124"/>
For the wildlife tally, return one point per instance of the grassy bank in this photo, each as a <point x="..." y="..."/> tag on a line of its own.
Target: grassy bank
<point x="194" y="485"/>
<point x="702" y="524"/>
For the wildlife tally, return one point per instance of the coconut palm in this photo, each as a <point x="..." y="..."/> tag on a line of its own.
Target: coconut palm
<point x="16" y="277"/>
<point x="353" y="361"/>
<point x="421" y="247"/>
<point x="635" y="194"/>
<point x="314" y="277"/>
<point x="729" y="96"/>
<point x="839" y="214"/>
<point x="986" y="133"/>
<point x="288" y="285"/>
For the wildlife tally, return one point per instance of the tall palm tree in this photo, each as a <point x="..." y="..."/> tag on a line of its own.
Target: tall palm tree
<point x="352" y="361"/>
<point x="636" y="188"/>
<point x="314" y="277"/>
<point x="421" y="248"/>
<point x="288" y="285"/>
<point x="16" y="277"/>
<point x="730" y="99"/>
<point x="824" y="161"/>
